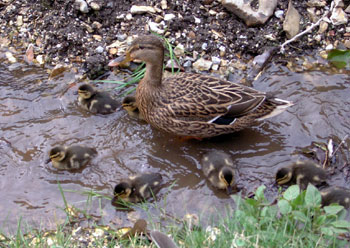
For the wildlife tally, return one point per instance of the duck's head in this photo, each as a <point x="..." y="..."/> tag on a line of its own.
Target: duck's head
<point x="147" y="48"/>
<point x="226" y="176"/>
<point x="284" y="175"/>
<point x="122" y="190"/>
<point x="129" y="104"/>
<point x="85" y="91"/>
<point x="57" y="153"/>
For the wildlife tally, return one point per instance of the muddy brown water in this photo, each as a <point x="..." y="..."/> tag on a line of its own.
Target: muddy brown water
<point x="34" y="116"/>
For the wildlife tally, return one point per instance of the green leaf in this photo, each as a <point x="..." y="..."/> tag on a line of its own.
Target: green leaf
<point x="300" y="216"/>
<point x="291" y="193"/>
<point x="339" y="230"/>
<point x="339" y="58"/>
<point x="341" y="224"/>
<point x="284" y="206"/>
<point x="239" y="242"/>
<point x="259" y="193"/>
<point x="333" y="210"/>
<point x="326" y="231"/>
<point x="312" y="196"/>
<point x="251" y="202"/>
<point x="320" y="220"/>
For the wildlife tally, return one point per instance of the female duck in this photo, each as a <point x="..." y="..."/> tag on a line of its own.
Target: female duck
<point x="95" y="101"/>
<point x="195" y="105"/>
<point x="218" y="168"/>
<point x="138" y="188"/>
<point x="70" y="158"/>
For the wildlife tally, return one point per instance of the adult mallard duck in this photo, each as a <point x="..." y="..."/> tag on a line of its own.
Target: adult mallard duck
<point x="218" y="168"/>
<point x="302" y="173"/>
<point x="194" y="105"/>
<point x="70" y="158"/>
<point x="95" y="101"/>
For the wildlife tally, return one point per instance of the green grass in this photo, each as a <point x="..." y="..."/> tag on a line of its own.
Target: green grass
<point x="296" y="220"/>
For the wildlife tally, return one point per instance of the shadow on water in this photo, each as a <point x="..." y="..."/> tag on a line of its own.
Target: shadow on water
<point x="34" y="116"/>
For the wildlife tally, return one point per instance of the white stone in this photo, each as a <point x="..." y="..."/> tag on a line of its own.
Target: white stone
<point x="95" y="6"/>
<point x="212" y="12"/>
<point x="197" y="20"/>
<point x="168" y="17"/>
<point x="83" y="6"/>
<point x="99" y="49"/>
<point x="40" y="59"/>
<point x="19" y="20"/>
<point x="279" y="13"/>
<point x="163" y="4"/>
<point x="216" y="60"/>
<point x="10" y="57"/>
<point x="339" y="17"/>
<point x="179" y="50"/>
<point x="204" y="46"/>
<point x="135" y="9"/>
<point x="155" y="28"/>
<point x="128" y="17"/>
<point x="215" y="67"/>
<point x="338" y="3"/>
<point x="202" y="64"/>
<point x="329" y="47"/>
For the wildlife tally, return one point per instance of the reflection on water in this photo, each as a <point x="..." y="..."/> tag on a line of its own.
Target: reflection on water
<point x="34" y="116"/>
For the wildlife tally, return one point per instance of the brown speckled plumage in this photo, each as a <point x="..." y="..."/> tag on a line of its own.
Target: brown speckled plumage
<point x="189" y="104"/>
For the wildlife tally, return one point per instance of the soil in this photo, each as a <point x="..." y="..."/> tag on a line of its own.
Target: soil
<point x="64" y="34"/>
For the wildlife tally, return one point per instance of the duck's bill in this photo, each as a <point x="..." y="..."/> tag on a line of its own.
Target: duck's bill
<point x="121" y="61"/>
<point x="229" y="190"/>
<point x="47" y="160"/>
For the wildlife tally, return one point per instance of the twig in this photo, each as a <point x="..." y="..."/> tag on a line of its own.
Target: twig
<point x="342" y="142"/>
<point x="308" y="29"/>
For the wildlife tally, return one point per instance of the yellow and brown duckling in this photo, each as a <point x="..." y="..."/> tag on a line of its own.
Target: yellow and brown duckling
<point x="96" y="102"/>
<point x="336" y="195"/>
<point x="138" y="188"/>
<point x="194" y="105"/>
<point x="217" y="166"/>
<point x="70" y="158"/>
<point x="301" y="173"/>
<point x="129" y="104"/>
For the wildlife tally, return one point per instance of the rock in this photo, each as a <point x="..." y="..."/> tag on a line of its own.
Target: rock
<point x="10" y="57"/>
<point x="96" y="25"/>
<point x="339" y="17"/>
<point x="97" y="37"/>
<point x="40" y="59"/>
<point x="347" y="44"/>
<point x="135" y="10"/>
<point x="323" y="27"/>
<point x="291" y="24"/>
<point x="197" y="20"/>
<point x="83" y="6"/>
<point x="19" y="20"/>
<point x="212" y="12"/>
<point x="99" y="49"/>
<point x="215" y="67"/>
<point x="155" y="27"/>
<point x="324" y="54"/>
<point x="216" y="60"/>
<point x="338" y="4"/>
<point x="222" y="51"/>
<point x="163" y="4"/>
<point x="279" y="14"/>
<point x="202" y="65"/>
<point x="179" y="50"/>
<point x="318" y="38"/>
<point x="347" y="10"/>
<point x="316" y="3"/>
<point x="168" y="17"/>
<point x="93" y="5"/>
<point x="128" y="16"/>
<point x="329" y="47"/>
<point x="311" y="13"/>
<point x="204" y="46"/>
<point x="187" y="64"/>
<point x="251" y="17"/>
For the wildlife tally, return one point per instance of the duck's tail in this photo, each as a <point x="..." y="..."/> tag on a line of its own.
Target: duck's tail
<point x="273" y="107"/>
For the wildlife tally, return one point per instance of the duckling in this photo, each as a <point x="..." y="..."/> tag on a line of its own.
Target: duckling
<point x="218" y="168"/>
<point x="95" y="101"/>
<point x="69" y="158"/>
<point x="129" y="104"/>
<point x="336" y="195"/>
<point x="301" y="173"/>
<point x="138" y="188"/>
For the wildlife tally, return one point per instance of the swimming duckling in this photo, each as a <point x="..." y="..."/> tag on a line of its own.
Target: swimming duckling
<point x="336" y="195"/>
<point x="95" y="101"/>
<point x="301" y="173"/>
<point x="70" y="158"/>
<point x="138" y="188"/>
<point x="218" y="168"/>
<point x="129" y="104"/>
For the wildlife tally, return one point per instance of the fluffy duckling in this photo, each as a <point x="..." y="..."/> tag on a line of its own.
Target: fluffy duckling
<point x="336" y="195"/>
<point x="70" y="158"/>
<point x="95" y="101"/>
<point x="218" y="168"/>
<point x="129" y="104"/>
<point x="301" y="173"/>
<point x="138" y="188"/>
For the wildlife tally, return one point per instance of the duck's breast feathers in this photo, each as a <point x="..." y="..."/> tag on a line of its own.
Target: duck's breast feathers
<point x="200" y="95"/>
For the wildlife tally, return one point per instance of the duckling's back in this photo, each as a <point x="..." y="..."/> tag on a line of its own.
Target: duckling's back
<point x="305" y="172"/>
<point x="146" y="185"/>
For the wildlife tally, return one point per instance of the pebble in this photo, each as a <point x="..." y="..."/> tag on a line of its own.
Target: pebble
<point x="197" y="20"/>
<point x="155" y="27"/>
<point x="179" y="50"/>
<point x="168" y="17"/>
<point x="10" y="57"/>
<point x="99" y="49"/>
<point x="216" y="60"/>
<point x="187" y="64"/>
<point x="204" y="46"/>
<point x="339" y="17"/>
<point x="329" y="47"/>
<point x="279" y="14"/>
<point x="83" y="6"/>
<point x="40" y="59"/>
<point x="97" y="37"/>
<point x="215" y="67"/>
<point x="135" y="9"/>
<point x="316" y="3"/>
<point x="128" y="16"/>
<point x="95" y="6"/>
<point x="163" y="4"/>
<point x="202" y="64"/>
<point x="19" y="20"/>
<point x="347" y="44"/>
<point x="323" y="27"/>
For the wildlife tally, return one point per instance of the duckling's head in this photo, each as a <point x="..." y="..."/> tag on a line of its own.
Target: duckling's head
<point x="57" y="153"/>
<point x="123" y="190"/>
<point x="129" y="104"/>
<point x="147" y="48"/>
<point x="226" y="175"/>
<point x="85" y="91"/>
<point x="284" y="175"/>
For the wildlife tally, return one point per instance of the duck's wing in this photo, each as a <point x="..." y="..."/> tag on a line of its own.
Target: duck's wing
<point x="195" y="95"/>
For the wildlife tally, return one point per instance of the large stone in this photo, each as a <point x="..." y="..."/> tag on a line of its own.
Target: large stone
<point x="291" y="24"/>
<point x="339" y="17"/>
<point x="251" y="17"/>
<point x="135" y="9"/>
<point x="202" y="64"/>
